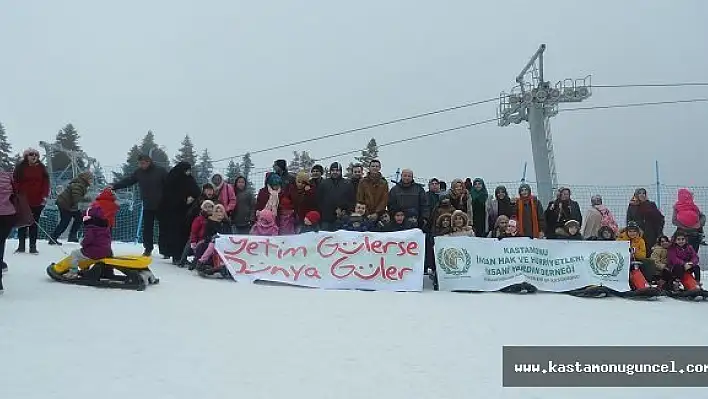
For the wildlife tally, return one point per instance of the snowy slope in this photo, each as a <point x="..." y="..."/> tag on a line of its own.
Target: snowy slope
<point x="194" y="338"/>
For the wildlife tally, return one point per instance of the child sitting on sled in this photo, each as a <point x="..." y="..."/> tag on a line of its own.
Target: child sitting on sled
<point x="681" y="259"/>
<point x="106" y="200"/>
<point x="96" y="243"/>
<point x="216" y="224"/>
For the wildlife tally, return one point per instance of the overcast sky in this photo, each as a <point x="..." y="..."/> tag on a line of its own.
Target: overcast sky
<point x="244" y="75"/>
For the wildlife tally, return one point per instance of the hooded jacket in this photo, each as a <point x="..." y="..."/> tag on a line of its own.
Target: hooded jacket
<point x="74" y="193"/>
<point x="225" y="193"/>
<point x="106" y="200"/>
<point x="679" y="256"/>
<point x="32" y="181"/>
<point x="637" y="244"/>
<point x="96" y="243"/>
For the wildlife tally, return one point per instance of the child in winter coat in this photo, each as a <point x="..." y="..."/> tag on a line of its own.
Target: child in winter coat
<point x="443" y="226"/>
<point x="265" y="224"/>
<point x="571" y="231"/>
<point x="217" y="223"/>
<point x="311" y="222"/>
<point x="512" y="230"/>
<point x="460" y="225"/>
<point x="682" y="259"/>
<point x="357" y="220"/>
<point x="269" y="196"/>
<point x="638" y="250"/>
<point x="398" y="221"/>
<point x="659" y="254"/>
<point x="196" y="232"/>
<point x="96" y="243"/>
<point x="286" y="217"/>
<point x="384" y="223"/>
<point x="499" y="227"/>
<point x="606" y="233"/>
<point x="107" y="201"/>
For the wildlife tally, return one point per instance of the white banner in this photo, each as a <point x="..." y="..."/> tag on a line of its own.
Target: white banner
<point x="339" y="260"/>
<point x="484" y="264"/>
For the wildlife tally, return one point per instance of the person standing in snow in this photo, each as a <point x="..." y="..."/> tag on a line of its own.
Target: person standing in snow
<point x="179" y="193"/>
<point x="32" y="181"/>
<point x="225" y="193"/>
<point x="68" y="203"/>
<point x="335" y="195"/>
<point x="410" y="197"/>
<point x="7" y="217"/>
<point x="150" y="178"/>
<point x="596" y="217"/>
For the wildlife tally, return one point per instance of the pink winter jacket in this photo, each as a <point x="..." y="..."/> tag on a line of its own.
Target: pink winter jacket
<point x="227" y="197"/>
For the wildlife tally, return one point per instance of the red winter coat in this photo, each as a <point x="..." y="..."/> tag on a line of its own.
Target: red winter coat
<point x="198" y="228"/>
<point x="33" y="182"/>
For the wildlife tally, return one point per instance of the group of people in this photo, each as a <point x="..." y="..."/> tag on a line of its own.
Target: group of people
<point x="190" y="216"/>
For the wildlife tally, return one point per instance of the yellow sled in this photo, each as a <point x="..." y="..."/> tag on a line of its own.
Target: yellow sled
<point x="136" y="274"/>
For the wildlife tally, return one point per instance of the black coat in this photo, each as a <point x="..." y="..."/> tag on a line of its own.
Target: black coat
<point x="150" y="181"/>
<point x="333" y="194"/>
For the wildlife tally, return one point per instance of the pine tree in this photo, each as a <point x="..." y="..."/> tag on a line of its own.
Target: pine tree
<point x="67" y="138"/>
<point x="150" y="147"/>
<point x="369" y="153"/>
<point x="233" y="172"/>
<point x="186" y="153"/>
<point x="17" y="158"/>
<point x="130" y="165"/>
<point x="350" y="170"/>
<point x="294" y="165"/>
<point x="204" y="168"/>
<point x="7" y="161"/>
<point x="99" y="177"/>
<point x="247" y="167"/>
<point x="306" y="161"/>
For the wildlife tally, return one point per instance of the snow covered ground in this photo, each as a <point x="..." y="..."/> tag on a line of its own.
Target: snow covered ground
<point x="195" y="338"/>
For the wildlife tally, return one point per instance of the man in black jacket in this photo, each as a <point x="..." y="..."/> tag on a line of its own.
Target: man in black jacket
<point x="150" y="179"/>
<point x="334" y="193"/>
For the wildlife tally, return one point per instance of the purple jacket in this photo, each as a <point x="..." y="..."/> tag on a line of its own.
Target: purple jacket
<point x="6" y="191"/>
<point x="97" y="235"/>
<point x="677" y="256"/>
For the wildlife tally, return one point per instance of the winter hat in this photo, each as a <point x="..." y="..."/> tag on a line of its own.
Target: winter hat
<point x="28" y="151"/>
<point x="434" y="180"/>
<point x="596" y="200"/>
<point x="313" y="217"/>
<point x="335" y="165"/>
<point x="318" y="168"/>
<point x="87" y="176"/>
<point x="219" y="206"/>
<point x="572" y="223"/>
<point x="206" y="204"/>
<point x="282" y="164"/>
<point x="274" y="180"/>
<point x="632" y="226"/>
<point x="106" y="195"/>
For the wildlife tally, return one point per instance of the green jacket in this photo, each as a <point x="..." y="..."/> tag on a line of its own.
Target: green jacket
<point x="73" y="194"/>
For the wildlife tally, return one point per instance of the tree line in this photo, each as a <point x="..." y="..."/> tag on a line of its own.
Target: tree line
<point x="68" y="138"/>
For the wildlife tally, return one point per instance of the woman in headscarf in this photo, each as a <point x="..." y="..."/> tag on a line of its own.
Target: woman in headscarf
<point x="179" y="192"/>
<point x="529" y="214"/>
<point x="479" y="197"/>
<point x="460" y="197"/>
<point x="560" y="211"/>
<point x="647" y="215"/>
<point x="500" y="205"/>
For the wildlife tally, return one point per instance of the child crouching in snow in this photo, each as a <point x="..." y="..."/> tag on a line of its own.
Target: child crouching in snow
<point x="96" y="243"/>
<point x="216" y="224"/>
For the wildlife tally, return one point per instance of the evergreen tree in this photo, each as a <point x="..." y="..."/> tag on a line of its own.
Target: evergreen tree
<point x="150" y="147"/>
<point x="67" y="138"/>
<point x="233" y="172"/>
<point x="130" y="165"/>
<point x="369" y="153"/>
<point x="294" y="165"/>
<point x="247" y="167"/>
<point x="18" y="158"/>
<point x="99" y="177"/>
<point x="204" y="168"/>
<point x="301" y="161"/>
<point x="349" y="172"/>
<point x="7" y="161"/>
<point x="187" y="153"/>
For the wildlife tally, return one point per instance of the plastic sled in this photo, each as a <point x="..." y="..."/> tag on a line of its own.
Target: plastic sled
<point x="691" y="291"/>
<point x="216" y="269"/>
<point x="641" y="289"/>
<point x="521" y="288"/>
<point x="135" y="272"/>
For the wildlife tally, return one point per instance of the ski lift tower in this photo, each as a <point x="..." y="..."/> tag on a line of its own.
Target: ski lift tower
<point x="536" y="102"/>
<point x="74" y="156"/>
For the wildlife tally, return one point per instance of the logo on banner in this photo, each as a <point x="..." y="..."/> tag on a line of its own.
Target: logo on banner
<point x="454" y="261"/>
<point x="606" y="264"/>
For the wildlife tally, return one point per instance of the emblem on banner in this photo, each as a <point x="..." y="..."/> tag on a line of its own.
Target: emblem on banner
<point x="455" y="261"/>
<point x="606" y="264"/>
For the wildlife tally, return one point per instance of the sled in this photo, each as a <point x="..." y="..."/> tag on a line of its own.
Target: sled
<point x="216" y="270"/>
<point x="136" y="274"/>
<point x="521" y="288"/>
<point x="691" y="292"/>
<point x="641" y="289"/>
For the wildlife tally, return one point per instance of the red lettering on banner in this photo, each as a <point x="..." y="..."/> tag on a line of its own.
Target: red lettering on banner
<point x="341" y="269"/>
<point x="290" y="272"/>
<point x="265" y="248"/>
<point x="326" y="248"/>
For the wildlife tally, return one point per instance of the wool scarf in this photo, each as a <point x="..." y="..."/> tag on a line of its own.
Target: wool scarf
<point x="534" y="215"/>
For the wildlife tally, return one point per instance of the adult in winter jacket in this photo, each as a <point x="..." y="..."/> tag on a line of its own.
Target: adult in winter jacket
<point x="334" y="193"/>
<point x="559" y="212"/>
<point x="529" y="214"/>
<point x="500" y="205"/>
<point x="32" y="182"/>
<point x="225" y="193"/>
<point x="479" y="200"/>
<point x="687" y="216"/>
<point x="7" y="216"/>
<point x="150" y="178"/>
<point x="647" y="215"/>
<point x="460" y="197"/>
<point x="245" y="213"/>
<point x="373" y="192"/>
<point x="596" y="217"/>
<point x="68" y="203"/>
<point x="304" y="196"/>
<point x="179" y="193"/>
<point x="410" y="197"/>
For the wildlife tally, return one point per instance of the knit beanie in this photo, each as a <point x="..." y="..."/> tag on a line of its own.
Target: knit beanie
<point x="313" y="217"/>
